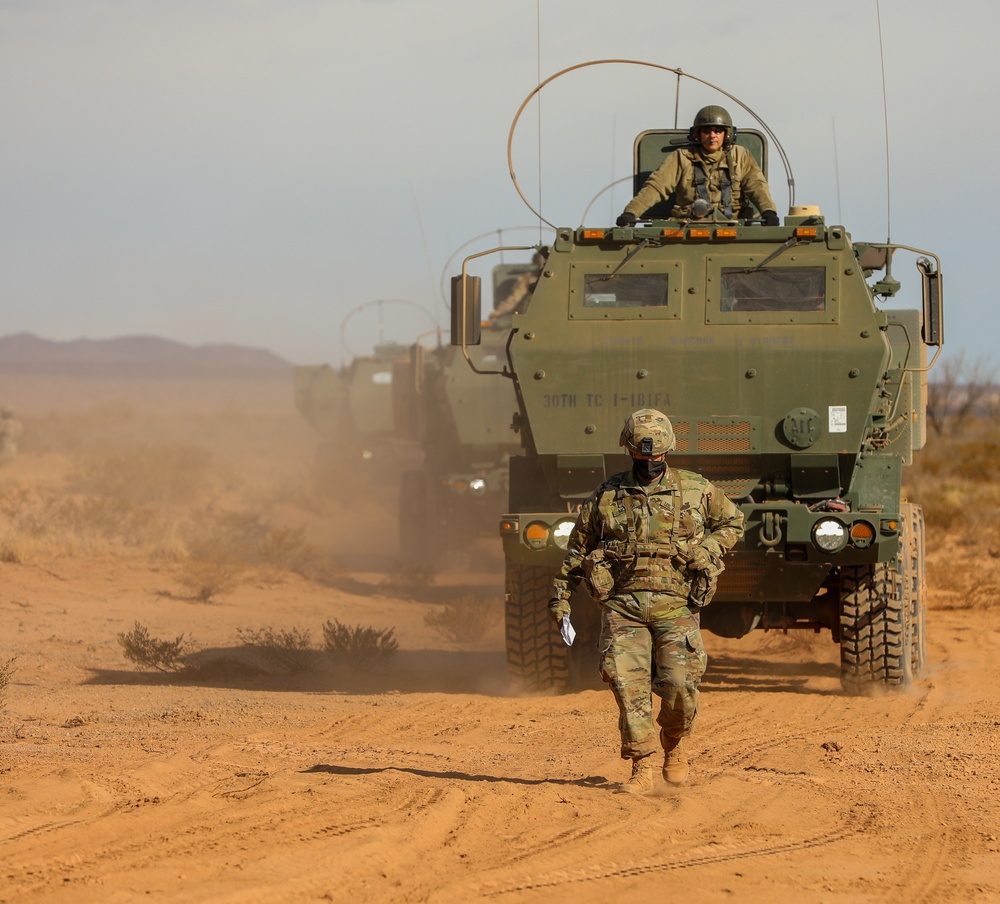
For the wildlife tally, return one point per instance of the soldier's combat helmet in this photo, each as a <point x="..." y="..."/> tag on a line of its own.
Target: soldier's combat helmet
<point x="648" y="432"/>
<point x="713" y="115"/>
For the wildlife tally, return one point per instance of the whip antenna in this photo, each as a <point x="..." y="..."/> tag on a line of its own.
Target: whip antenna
<point x="538" y="75"/>
<point x="885" y="119"/>
<point x="677" y="95"/>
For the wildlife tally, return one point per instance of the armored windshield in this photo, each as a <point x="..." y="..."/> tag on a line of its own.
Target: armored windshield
<point x="628" y="290"/>
<point x="773" y="289"/>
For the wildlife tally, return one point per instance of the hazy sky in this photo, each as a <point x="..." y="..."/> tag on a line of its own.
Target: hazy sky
<point x="252" y="171"/>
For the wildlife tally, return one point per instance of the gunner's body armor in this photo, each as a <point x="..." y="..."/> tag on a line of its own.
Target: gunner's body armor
<point x="728" y="179"/>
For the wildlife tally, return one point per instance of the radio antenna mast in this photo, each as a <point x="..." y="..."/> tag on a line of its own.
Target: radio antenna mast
<point x="885" y="119"/>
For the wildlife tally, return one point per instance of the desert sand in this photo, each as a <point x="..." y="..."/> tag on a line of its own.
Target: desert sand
<point x="420" y="778"/>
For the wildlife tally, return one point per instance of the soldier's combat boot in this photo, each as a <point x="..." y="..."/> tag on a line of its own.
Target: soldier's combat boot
<point x="641" y="780"/>
<point x="675" y="762"/>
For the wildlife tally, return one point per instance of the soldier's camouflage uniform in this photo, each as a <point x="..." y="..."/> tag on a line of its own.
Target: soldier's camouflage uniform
<point x="650" y="639"/>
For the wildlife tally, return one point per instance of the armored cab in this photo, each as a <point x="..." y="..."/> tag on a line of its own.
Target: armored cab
<point x="787" y="385"/>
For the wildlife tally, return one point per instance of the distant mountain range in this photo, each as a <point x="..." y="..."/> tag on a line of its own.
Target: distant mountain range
<point x="134" y="356"/>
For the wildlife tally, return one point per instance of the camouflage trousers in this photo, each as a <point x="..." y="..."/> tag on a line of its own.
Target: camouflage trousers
<point x="660" y="655"/>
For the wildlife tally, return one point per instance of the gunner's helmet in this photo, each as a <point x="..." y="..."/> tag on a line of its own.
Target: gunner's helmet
<point x="713" y="115"/>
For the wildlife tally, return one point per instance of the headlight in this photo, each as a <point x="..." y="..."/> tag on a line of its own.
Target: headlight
<point x="477" y="486"/>
<point x="561" y="532"/>
<point x="829" y="535"/>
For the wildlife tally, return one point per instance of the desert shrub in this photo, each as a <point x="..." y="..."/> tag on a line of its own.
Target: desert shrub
<point x="212" y="567"/>
<point x="464" y="621"/>
<point x="151" y="652"/>
<point x="6" y="673"/>
<point x="286" y="548"/>
<point x="359" y="646"/>
<point x="284" y="649"/>
<point x="11" y="550"/>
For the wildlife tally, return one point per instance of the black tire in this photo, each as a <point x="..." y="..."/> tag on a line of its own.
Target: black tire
<point x="877" y="630"/>
<point x="537" y="658"/>
<point x="914" y="521"/>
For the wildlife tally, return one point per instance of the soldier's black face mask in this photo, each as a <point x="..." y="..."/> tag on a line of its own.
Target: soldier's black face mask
<point x="647" y="471"/>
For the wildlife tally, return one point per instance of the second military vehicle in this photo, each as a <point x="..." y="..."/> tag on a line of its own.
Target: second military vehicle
<point x="462" y="425"/>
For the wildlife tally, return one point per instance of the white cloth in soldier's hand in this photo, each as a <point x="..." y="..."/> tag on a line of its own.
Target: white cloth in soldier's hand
<point x="567" y="631"/>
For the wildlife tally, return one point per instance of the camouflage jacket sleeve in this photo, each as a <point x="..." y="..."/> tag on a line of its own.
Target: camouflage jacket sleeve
<point x="724" y="519"/>
<point x="752" y="182"/>
<point x="585" y="537"/>
<point x="659" y="186"/>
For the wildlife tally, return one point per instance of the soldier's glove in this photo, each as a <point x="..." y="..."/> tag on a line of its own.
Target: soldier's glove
<point x="770" y="218"/>
<point x="626" y="219"/>
<point x="700" y="559"/>
<point x="558" y="607"/>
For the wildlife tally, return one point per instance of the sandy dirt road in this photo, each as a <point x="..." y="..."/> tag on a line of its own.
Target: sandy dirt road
<point x="425" y="783"/>
<point x="423" y="780"/>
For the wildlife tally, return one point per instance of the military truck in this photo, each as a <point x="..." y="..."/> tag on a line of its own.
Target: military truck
<point x="788" y="384"/>
<point x="351" y="408"/>
<point x="462" y="425"/>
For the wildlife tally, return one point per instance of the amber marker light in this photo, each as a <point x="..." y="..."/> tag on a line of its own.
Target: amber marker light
<point x="700" y="233"/>
<point x="536" y="534"/>
<point x="593" y="235"/>
<point x="805" y="232"/>
<point x="672" y="233"/>
<point x="725" y="233"/>
<point x="509" y="526"/>
<point x="862" y="534"/>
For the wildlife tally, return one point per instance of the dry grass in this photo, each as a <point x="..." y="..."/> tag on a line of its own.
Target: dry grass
<point x="6" y="673"/>
<point x="954" y="480"/>
<point x="147" y="474"/>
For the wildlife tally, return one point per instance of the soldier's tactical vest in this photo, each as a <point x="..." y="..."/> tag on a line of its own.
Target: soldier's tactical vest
<point x="725" y="186"/>
<point x="658" y="567"/>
